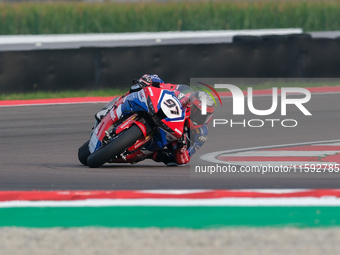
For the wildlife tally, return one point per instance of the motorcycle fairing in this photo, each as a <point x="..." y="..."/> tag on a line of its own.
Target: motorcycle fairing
<point x="145" y="100"/>
<point x="94" y="143"/>
<point x="99" y="133"/>
<point x="133" y="102"/>
<point x="137" y="102"/>
<point x="173" y="109"/>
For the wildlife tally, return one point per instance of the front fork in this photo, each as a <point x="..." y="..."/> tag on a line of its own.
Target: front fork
<point x="132" y="121"/>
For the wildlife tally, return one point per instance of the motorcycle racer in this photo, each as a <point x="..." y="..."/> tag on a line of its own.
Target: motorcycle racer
<point x="196" y="127"/>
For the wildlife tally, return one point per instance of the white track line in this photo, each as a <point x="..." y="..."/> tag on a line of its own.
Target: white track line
<point x="272" y="191"/>
<point x="211" y="157"/>
<point x="193" y="191"/>
<point x="176" y="192"/>
<point x="280" y="154"/>
<point x="291" y="164"/>
<point x="327" y="144"/>
<point x="303" y="201"/>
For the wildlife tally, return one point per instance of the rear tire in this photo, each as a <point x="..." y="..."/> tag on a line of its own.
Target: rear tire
<point x="84" y="153"/>
<point x="124" y="140"/>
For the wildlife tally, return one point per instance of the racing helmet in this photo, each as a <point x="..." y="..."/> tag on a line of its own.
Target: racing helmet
<point x="145" y="80"/>
<point x="150" y="80"/>
<point x="197" y="119"/>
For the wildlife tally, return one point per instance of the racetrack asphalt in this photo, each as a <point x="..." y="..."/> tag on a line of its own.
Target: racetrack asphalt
<point x="39" y="146"/>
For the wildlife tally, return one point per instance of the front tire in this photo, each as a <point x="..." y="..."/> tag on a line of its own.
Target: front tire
<point x="124" y="140"/>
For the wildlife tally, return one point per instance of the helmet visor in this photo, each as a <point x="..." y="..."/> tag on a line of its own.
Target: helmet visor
<point x="197" y="117"/>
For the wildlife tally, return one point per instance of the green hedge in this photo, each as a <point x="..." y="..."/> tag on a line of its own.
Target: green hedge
<point x="55" y="18"/>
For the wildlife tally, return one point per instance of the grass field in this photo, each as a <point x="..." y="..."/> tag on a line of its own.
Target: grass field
<point x="62" y="94"/>
<point x="83" y="17"/>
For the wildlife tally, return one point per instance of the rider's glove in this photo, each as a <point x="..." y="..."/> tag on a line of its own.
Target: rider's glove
<point x="181" y="154"/>
<point x="181" y="157"/>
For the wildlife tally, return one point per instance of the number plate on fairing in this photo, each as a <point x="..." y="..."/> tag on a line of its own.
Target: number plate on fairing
<point x="171" y="106"/>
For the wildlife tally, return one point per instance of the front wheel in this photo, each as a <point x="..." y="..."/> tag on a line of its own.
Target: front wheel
<point x="122" y="141"/>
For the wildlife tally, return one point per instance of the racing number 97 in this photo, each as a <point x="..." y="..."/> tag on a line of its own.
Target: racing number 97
<point x="172" y="104"/>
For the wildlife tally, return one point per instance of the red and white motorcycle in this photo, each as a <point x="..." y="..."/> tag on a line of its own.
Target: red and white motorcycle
<point x="137" y="125"/>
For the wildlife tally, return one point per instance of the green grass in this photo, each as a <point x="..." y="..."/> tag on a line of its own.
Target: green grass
<point x="195" y="217"/>
<point x="82" y="17"/>
<point x="62" y="94"/>
<point x="118" y="92"/>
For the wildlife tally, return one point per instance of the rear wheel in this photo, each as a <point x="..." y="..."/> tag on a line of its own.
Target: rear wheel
<point x="115" y="147"/>
<point x="84" y="153"/>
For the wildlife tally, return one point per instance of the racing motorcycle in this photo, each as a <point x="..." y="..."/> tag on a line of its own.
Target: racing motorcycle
<point x="136" y="126"/>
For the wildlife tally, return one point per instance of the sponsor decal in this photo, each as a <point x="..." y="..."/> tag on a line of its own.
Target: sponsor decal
<point x="202" y="138"/>
<point x="125" y="124"/>
<point x="141" y="96"/>
<point x="178" y="131"/>
<point x="113" y="115"/>
<point x="150" y="91"/>
<point x="139" y="144"/>
<point x="141" y="126"/>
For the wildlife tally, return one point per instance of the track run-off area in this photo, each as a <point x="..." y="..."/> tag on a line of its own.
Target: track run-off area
<point x="195" y="209"/>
